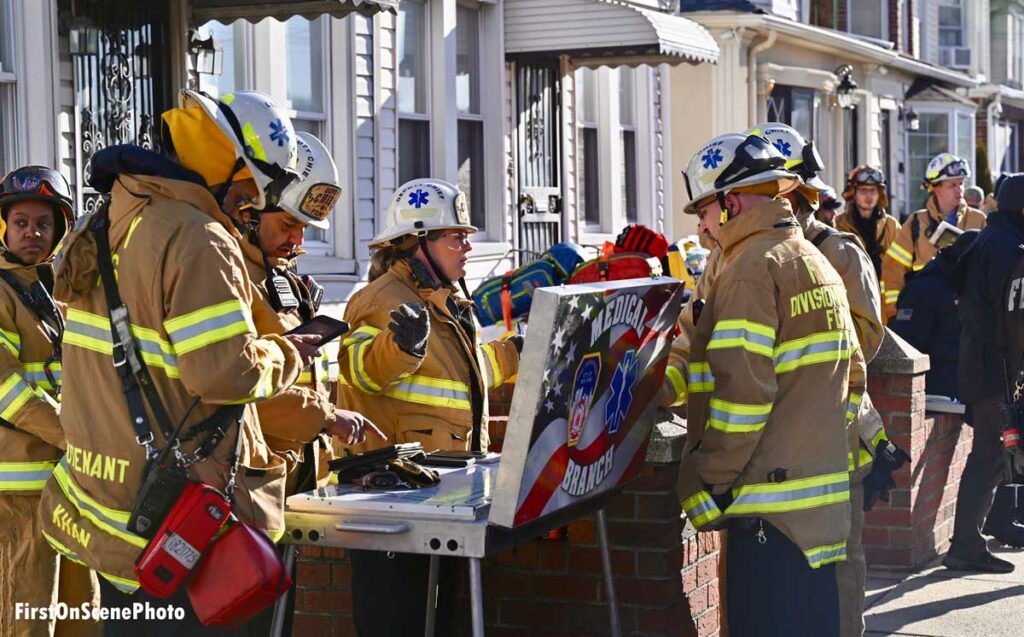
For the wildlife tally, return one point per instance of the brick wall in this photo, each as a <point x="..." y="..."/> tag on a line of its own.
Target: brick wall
<point x="917" y="523"/>
<point x="666" y="577"/>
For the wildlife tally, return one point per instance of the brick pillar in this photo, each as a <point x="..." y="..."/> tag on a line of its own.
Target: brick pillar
<point x="916" y="524"/>
<point x="666" y="576"/>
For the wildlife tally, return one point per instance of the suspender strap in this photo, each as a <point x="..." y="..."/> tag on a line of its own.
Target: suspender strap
<point x="826" y="232"/>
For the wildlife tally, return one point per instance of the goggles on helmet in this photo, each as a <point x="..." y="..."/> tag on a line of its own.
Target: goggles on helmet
<point x="812" y="162"/>
<point x="35" y="180"/>
<point x="866" y="175"/>
<point x="279" y="177"/>
<point x="754" y="155"/>
<point x="953" y="170"/>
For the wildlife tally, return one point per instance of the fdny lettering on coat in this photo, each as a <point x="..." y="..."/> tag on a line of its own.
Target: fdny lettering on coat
<point x="1015" y="299"/>
<point x="97" y="465"/>
<point x="622" y="309"/>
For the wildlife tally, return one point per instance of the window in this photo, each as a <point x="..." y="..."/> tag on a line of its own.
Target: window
<point x="471" y="121"/>
<point x="965" y="137"/>
<point x="304" y="60"/>
<point x="1015" y="50"/>
<point x="951" y="23"/>
<point x="885" y="124"/>
<point x="795" y="106"/>
<point x="851" y="127"/>
<point x="7" y="86"/>
<point x="588" y="170"/>
<point x="931" y="138"/>
<point x="627" y="124"/>
<point x="1011" y="160"/>
<point x="413" y="92"/>
<point x="869" y="17"/>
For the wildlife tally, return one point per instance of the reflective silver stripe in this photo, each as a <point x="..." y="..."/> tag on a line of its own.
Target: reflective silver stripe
<point x="70" y="491"/>
<point x="827" y="556"/>
<point x="24" y="476"/>
<point x="13" y="395"/>
<point x="747" y="335"/>
<point x="814" y="348"/>
<point x="429" y="394"/>
<point x="694" y="378"/>
<point x="366" y="383"/>
<point x="789" y="496"/>
<point x="145" y="345"/>
<point x="212" y="324"/>
<point x="737" y="419"/>
<point x="39" y="378"/>
<point x="77" y="327"/>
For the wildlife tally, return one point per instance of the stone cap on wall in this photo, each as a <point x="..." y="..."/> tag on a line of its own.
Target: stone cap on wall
<point x="896" y="356"/>
<point x="667" y="438"/>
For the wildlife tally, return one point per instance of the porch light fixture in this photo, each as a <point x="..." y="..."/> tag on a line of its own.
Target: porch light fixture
<point x="910" y="118"/>
<point x="207" y="57"/>
<point x="846" y="86"/>
<point x="83" y="37"/>
<point x="141" y="58"/>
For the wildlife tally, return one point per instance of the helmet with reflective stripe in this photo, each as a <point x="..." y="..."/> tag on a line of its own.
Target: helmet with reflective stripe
<point x="311" y="199"/>
<point x="38" y="183"/>
<point x="801" y="155"/>
<point x="945" y="166"/>
<point x="865" y="175"/>
<point x="731" y="161"/>
<point x="262" y="134"/>
<point x="422" y="205"/>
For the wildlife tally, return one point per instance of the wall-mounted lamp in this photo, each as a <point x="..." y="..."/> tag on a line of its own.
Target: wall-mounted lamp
<point x="141" y="58"/>
<point x="846" y="86"/>
<point x="207" y="57"/>
<point x="910" y="118"/>
<point x="83" y="37"/>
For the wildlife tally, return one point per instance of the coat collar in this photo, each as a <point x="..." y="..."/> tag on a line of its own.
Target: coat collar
<point x="775" y="215"/>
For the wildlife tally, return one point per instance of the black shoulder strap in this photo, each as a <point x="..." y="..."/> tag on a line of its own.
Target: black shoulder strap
<point x="826" y="232"/>
<point x="135" y="378"/>
<point x="915" y="232"/>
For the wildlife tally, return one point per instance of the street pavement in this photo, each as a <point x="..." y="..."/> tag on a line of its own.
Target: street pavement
<point x="941" y="603"/>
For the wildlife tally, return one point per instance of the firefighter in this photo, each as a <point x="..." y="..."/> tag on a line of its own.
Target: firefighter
<point x="981" y="277"/>
<point x="911" y="249"/>
<point x="867" y="213"/>
<point x="182" y="276"/>
<point x="299" y="422"/>
<point x="769" y="370"/>
<point x="413" y="359"/>
<point x="35" y="214"/>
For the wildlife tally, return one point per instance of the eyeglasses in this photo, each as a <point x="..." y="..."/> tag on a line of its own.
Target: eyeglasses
<point x="459" y="239"/>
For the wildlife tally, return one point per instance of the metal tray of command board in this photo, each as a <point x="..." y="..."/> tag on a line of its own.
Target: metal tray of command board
<point x="581" y="415"/>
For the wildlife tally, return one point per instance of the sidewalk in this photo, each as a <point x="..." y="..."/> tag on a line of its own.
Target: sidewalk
<point x="941" y="603"/>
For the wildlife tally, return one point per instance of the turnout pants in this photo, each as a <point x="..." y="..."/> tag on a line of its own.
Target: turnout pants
<point x="32" y="574"/>
<point x="982" y="474"/>
<point x="851" y="574"/>
<point x="772" y="591"/>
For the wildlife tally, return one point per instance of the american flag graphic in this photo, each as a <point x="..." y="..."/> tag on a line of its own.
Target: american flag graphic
<point x="605" y="364"/>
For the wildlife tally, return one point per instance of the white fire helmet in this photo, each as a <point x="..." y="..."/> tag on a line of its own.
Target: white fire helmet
<point x="946" y="166"/>
<point x="801" y="155"/>
<point x="313" y="197"/>
<point x="422" y="205"/>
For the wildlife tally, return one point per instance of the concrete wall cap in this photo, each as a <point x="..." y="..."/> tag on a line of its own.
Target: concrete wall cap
<point x="667" y="438"/>
<point x="898" y="357"/>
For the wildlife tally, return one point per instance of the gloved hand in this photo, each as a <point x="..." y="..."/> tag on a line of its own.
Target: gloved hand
<point x="410" y="324"/>
<point x="517" y="342"/>
<point x="878" y="483"/>
<point x="1013" y="446"/>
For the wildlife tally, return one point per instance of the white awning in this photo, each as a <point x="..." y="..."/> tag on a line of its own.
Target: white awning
<point x="605" y="32"/>
<point x="227" y="11"/>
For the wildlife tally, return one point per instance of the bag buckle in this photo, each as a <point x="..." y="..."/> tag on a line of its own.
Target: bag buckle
<point x="777" y="475"/>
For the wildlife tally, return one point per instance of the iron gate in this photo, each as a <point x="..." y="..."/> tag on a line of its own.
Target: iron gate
<point x="122" y="87"/>
<point x="538" y="132"/>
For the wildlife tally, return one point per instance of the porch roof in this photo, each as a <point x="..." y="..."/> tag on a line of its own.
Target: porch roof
<point x="603" y="32"/>
<point x="230" y="10"/>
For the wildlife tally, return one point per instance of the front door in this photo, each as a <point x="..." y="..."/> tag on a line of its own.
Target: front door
<point x="538" y="142"/>
<point x="122" y="84"/>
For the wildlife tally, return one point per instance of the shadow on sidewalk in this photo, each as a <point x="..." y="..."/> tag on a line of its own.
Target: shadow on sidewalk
<point x="897" y="618"/>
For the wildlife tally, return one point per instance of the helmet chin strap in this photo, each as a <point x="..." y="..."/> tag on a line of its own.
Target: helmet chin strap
<point x="425" y="248"/>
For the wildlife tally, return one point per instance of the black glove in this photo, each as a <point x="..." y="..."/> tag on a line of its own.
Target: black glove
<point x="878" y="483"/>
<point x="410" y="324"/>
<point x="517" y="342"/>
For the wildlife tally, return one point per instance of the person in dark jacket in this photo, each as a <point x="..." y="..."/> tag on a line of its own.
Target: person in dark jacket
<point x="926" y="316"/>
<point x="980" y="280"/>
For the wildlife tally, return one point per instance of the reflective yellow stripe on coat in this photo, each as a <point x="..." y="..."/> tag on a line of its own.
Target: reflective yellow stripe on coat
<point x="111" y="521"/>
<point x="92" y="332"/>
<point x="790" y="495"/>
<point x="25" y="476"/>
